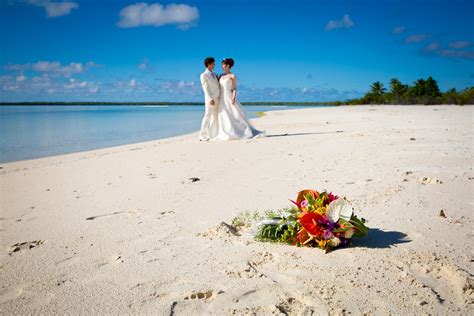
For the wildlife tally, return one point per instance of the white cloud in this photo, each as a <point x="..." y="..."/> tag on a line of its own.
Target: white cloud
<point x="417" y="38"/>
<point x="73" y="84"/>
<point x="345" y="22"/>
<point x="127" y="85"/>
<point x="436" y="50"/>
<point x="144" y="65"/>
<point x="450" y="53"/>
<point x="296" y="94"/>
<point x="398" y="30"/>
<point x="38" y="86"/>
<point x="9" y="84"/>
<point x="82" y="86"/>
<point x="460" y="44"/>
<point x="51" y="67"/>
<point x="184" y="84"/>
<point x="432" y="47"/>
<point x="55" y="9"/>
<point x="141" y="14"/>
<point x="56" y="68"/>
<point x="17" y="67"/>
<point x="45" y="87"/>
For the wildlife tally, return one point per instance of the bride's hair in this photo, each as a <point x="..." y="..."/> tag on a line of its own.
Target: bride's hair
<point x="228" y="61"/>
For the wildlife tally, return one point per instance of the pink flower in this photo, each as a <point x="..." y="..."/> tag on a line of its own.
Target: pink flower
<point x="327" y="234"/>
<point x="304" y="203"/>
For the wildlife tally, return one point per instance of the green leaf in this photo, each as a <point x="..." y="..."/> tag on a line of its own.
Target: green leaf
<point x="361" y="229"/>
<point x="345" y="223"/>
<point x="310" y="199"/>
<point x="340" y="230"/>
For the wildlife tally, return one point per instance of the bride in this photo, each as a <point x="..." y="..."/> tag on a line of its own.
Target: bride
<point x="232" y="122"/>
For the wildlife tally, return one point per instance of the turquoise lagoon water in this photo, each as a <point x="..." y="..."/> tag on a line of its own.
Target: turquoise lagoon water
<point x="28" y="132"/>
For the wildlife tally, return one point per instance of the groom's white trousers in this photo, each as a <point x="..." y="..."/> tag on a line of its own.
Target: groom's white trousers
<point x="209" y="121"/>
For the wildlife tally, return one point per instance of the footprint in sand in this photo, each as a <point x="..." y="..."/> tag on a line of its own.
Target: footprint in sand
<point x="249" y="272"/>
<point x="262" y="258"/>
<point x="116" y="259"/>
<point x="27" y="245"/>
<point x="445" y="281"/>
<point x="426" y="180"/>
<point x="164" y="213"/>
<point x="222" y="231"/>
<point x="291" y="306"/>
<point x="11" y="293"/>
<point x="200" y="295"/>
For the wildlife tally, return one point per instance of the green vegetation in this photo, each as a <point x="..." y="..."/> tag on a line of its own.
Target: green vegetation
<point x="422" y="92"/>
<point x="246" y="218"/>
<point x="282" y="230"/>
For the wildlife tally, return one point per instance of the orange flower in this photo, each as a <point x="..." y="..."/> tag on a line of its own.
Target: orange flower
<point x="302" y="197"/>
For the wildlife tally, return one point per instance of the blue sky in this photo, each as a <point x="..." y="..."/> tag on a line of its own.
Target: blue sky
<point x="283" y="50"/>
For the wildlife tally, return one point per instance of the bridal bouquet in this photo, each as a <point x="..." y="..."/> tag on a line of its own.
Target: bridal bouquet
<point x="320" y="219"/>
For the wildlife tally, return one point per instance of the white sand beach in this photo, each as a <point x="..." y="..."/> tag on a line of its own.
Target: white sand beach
<point x="124" y="230"/>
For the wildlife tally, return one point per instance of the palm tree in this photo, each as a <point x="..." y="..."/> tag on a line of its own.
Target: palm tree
<point x="397" y="88"/>
<point x="377" y="88"/>
<point x="431" y="87"/>
<point x="419" y="88"/>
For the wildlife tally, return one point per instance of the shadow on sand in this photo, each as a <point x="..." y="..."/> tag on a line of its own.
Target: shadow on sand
<point x="303" y="134"/>
<point x="381" y="239"/>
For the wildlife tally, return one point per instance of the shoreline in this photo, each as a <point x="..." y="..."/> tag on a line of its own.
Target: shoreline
<point x="189" y="134"/>
<point x="124" y="146"/>
<point x="256" y="115"/>
<point x="125" y="230"/>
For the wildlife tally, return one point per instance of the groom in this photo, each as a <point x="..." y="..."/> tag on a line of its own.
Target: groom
<point x="210" y="86"/>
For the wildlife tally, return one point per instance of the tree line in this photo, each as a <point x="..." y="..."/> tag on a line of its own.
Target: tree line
<point x="421" y="92"/>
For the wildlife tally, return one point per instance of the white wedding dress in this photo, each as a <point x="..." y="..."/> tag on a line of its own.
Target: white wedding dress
<point x="231" y="120"/>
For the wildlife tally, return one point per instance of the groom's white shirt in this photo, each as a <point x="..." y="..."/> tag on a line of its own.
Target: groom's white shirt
<point x="210" y="86"/>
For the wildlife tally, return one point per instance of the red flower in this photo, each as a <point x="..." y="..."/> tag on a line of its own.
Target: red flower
<point x="309" y="221"/>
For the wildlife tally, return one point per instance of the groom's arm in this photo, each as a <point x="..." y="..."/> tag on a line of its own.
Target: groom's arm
<point x="206" y="88"/>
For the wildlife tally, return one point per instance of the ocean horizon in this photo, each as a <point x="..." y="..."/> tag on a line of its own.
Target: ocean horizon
<point x="37" y="131"/>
